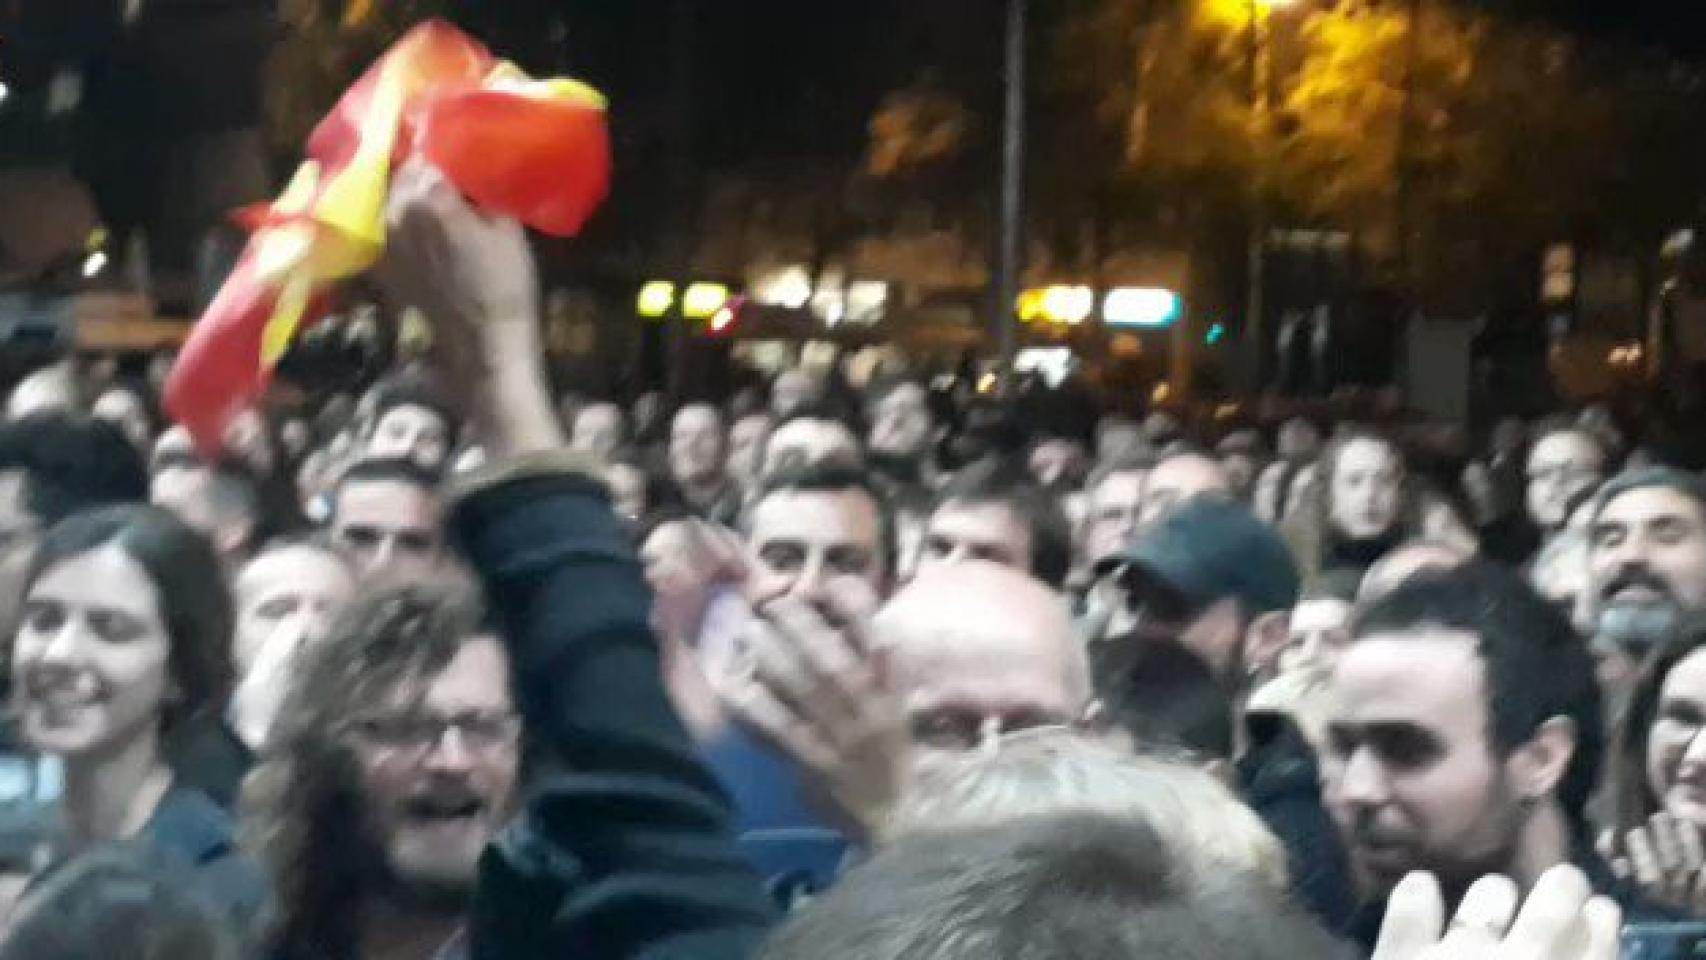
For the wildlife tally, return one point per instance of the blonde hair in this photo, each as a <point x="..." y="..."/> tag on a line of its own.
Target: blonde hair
<point x="1052" y="771"/>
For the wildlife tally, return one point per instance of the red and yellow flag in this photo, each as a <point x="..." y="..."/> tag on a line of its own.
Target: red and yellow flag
<point x="535" y="150"/>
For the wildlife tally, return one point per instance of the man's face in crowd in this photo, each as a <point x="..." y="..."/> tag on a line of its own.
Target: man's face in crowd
<point x="1366" y="482"/>
<point x="1676" y="752"/>
<point x="802" y="542"/>
<point x="598" y="429"/>
<point x="1318" y="632"/>
<point x="960" y="531"/>
<point x="438" y="765"/>
<point x="411" y="432"/>
<point x="801" y="443"/>
<point x="1647" y="549"/>
<point x="627" y="490"/>
<point x="18" y="531"/>
<point x="1057" y="463"/>
<point x="184" y="491"/>
<point x="1240" y="470"/>
<point x="901" y="423"/>
<point x="1118" y="438"/>
<point x="1179" y="478"/>
<point x="1113" y="513"/>
<point x="1561" y="467"/>
<point x="696" y="445"/>
<point x="1299" y="441"/>
<point x="291" y="591"/>
<point x="1409" y="773"/>
<point x="389" y="526"/>
<point x="747" y="441"/>
<point x="124" y="410"/>
<point x="981" y="651"/>
<point x="792" y="390"/>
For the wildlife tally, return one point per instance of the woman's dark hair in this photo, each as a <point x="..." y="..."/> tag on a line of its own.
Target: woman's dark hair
<point x="1632" y="800"/>
<point x="194" y="602"/>
<point x="120" y="903"/>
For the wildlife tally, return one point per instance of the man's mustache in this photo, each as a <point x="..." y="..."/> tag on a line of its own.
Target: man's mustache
<point x="1636" y="576"/>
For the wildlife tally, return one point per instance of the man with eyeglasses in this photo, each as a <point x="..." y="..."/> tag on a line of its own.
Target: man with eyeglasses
<point x="1563" y="464"/>
<point x="404" y="720"/>
<point x="966" y="653"/>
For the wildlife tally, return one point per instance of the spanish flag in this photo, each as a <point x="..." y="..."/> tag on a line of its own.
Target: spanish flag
<point x="535" y="150"/>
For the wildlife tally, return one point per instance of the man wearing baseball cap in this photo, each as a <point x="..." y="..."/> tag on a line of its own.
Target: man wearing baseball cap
<point x="1214" y="579"/>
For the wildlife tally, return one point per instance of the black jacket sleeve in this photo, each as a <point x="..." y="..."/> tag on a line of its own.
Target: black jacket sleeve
<point x="623" y="849"/>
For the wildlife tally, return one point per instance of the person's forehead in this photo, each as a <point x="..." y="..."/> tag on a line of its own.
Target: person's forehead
<point x="1365" y="454"/>
<point x="817" y="516"/>
<point x="412" y="414"/>
<point x="982" y="665"/>
<point x="1122" y="485"/>
<point x="1321" y="613"/>
<point x="1687" y="680"/>
<point x="477" y="677"/>
<point x="367" y="499"/>
<point x="698" y="417"/>
<point x="907" y="396"/>
<point x="982" y="521"/>
<point x="1428" y="676"/>
<point x="1648" y="504"/>
<point x="105" y="576"/>
<point x="302" y="569"/>
<point x="1188" y="470"/>
<point x="1564" y="446"/>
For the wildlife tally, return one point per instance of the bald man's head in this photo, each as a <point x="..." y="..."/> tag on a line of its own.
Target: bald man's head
<point x="977" y="649"/>
<point x="1405" y="561"/>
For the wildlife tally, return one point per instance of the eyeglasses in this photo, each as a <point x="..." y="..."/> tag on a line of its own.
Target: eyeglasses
<point x="416" y="734"/>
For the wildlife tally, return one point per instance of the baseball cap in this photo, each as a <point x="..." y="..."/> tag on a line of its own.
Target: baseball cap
<point x="1210" y="548"/>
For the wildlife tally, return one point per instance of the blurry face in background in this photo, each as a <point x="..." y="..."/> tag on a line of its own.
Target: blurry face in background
<point x="960" y="531"/>
<point x="1561" y="467"/>
<point x="792" y="390"/>
<point x="1112" y="515"/>
<point x="18" y="531"/>
<point x="438" y="764"/>
<point x="696" y="445"/>
<point x="1299" y="441"/>
<point x="801" y="541"/>
<point x="298" y="587"/>
<point x="1364" y="498"/>
<point x="800" y="443"/>
<point x="124" y="410"/>
<point x="901" y="423"/>
<point x="1118" y="438"/>
<point x="90" y="662"/>
<point x="1676" y="752"/>
<point x="1179" y="478"/>
<point x="1240" y="470"/>
<point x="411" y="432"/>
<point x="598" y="429"/>
<point x="246" y="439"/>
<point x="390" y="527"/>
<point x="1319" y="630"/>
<point x="747" y="440"/>
<point x="1058" y="464"/>
<point x="627" y="490"/>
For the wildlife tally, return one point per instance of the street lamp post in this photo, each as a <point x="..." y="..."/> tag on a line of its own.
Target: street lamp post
<point x="1261" y="106"/>
<point x="1010" y="250"/>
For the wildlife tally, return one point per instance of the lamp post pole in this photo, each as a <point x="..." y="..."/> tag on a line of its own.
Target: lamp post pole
<point x="1010" y="250"/>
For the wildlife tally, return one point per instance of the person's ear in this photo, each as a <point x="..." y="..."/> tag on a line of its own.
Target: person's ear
<point x="1265" y="638"/>
<point x="1538" y="766"/>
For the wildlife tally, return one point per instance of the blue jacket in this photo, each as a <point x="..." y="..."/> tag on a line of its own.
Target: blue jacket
<point x="192" y="830"/>
<point x="624" y="848"/>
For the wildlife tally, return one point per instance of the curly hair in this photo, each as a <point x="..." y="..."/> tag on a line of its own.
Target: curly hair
<point x="305" y="819"/>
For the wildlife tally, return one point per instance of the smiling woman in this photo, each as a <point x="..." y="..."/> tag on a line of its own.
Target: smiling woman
<point x="124" y="637"/>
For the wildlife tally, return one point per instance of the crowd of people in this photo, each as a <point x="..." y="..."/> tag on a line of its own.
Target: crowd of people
<point x="468" y="667"/>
